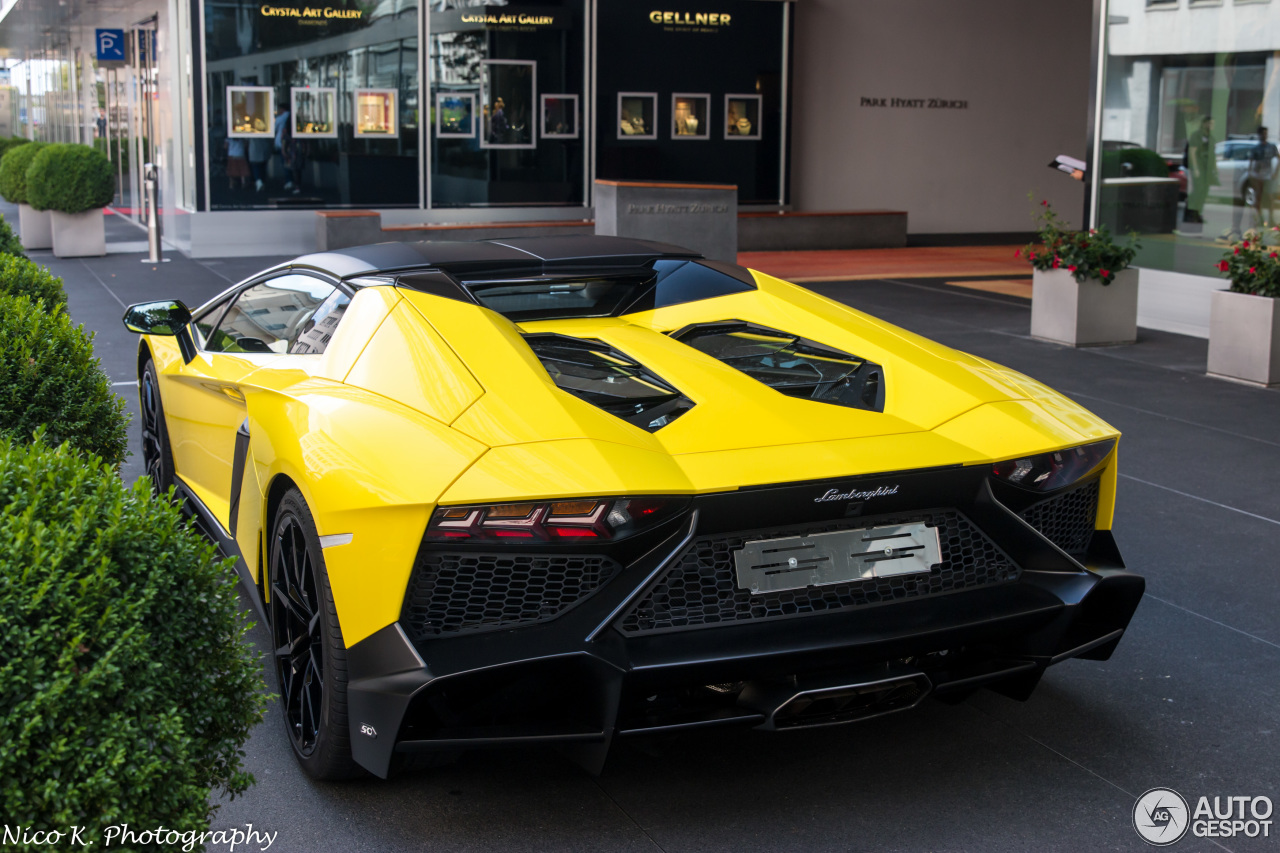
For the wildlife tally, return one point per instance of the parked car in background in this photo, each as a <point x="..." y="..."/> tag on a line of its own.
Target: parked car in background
<point x="1232" y="155"/>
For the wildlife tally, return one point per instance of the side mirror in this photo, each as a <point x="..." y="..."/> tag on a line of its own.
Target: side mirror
<point x="157" y="318"/>
<point x="162" y="318"/>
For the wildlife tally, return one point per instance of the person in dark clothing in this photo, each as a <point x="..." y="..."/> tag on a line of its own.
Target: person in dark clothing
<point x="1203" y="163"/>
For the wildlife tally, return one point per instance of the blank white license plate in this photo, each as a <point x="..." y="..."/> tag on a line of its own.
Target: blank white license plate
<point x="796" y="562"/>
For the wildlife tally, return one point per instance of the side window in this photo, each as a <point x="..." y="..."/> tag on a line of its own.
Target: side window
<point x="203" y="325"/>
<point x="271" y="315"/>
<point x="314" y="333"/>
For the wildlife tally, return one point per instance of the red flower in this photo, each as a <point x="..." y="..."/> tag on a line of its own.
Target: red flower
<point x="1055" y="263"/>
<point x="1236" y="250"/>
<point x="1222" y="266"/>
<point x="1084" y="245"/>
<point x="1273" y="255"/>
<point x="1018" y="253"/>
<point x="1246" y="244"/>
<point x="1104" y="273"/>
<point x="1253" y="269"/>
<point x="1071" y="268"/>
<point x="1044" y="202"/>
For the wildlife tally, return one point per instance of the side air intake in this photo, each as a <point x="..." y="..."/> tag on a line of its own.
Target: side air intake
<point x="604" y="377"/>
<point x="791" y="364"/>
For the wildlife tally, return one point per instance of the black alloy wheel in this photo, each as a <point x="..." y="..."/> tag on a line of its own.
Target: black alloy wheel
<point x="309" y="654"/>
<point x="157" y="457"/>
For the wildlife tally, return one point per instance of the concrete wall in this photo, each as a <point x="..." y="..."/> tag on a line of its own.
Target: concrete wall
<point x="1022" y="67"/>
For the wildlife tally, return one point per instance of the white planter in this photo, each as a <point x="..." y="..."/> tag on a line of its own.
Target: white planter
<point x="34" y="228"/>
<point x="1084" y="314"/>
<point x="1244" y="337"/>
<point x="79" y="235"/>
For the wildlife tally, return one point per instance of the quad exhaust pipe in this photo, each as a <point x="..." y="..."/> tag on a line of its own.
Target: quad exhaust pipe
<point x="831" y="702"/>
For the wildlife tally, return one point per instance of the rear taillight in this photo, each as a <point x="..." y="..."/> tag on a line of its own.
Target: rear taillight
<point x="573" y="520"/>
<point x="1045" y="472"/>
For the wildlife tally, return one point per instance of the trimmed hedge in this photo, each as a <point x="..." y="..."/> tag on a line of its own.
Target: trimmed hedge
<point x="13" y="171"/>
<point x="21" y="277"/>
<point x="10" y="143"/>
<point x="9" y="242"/>
<point x="70" y="178"/>
<point x="127" y="687"/>
<point x="49" y="378"/>
<point x="1142" y="163"/>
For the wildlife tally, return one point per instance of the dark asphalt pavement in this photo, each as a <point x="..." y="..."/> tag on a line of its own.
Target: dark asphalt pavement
<point x="1190" y="701"/>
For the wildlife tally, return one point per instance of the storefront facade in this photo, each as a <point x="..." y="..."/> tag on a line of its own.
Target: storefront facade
<point x="1192" y="85"/>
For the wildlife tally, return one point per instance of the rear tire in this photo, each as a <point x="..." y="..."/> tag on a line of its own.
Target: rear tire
<point x="310" y="656"/>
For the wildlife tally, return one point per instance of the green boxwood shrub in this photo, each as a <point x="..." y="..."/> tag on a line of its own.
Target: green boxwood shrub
<point x="70" y="179"/>
<point x="19" y="276"/>
<point x="49" y="378"/>
<point x="1140" y="163"/>
<point x="13" y="171"/>
<point x="11" y="142"/>
<point x="127" y="687"/>
<point x="9" y="242"/>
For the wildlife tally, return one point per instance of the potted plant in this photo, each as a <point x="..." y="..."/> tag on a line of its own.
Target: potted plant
<point x="34" y="228"/>
<point x="1244" y="321"/>
<point x="74" y="182"/>
<point x="1083" y="291"/>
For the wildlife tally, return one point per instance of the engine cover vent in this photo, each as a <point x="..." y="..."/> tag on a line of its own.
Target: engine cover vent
<point x="791" y="364"/>
<point x="604" y="377"/>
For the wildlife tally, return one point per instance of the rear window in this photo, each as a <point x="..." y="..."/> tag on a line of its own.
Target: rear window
<point x="664" y="283"/>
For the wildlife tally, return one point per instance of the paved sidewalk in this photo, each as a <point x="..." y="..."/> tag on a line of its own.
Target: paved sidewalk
<point x="1190" y="701"/>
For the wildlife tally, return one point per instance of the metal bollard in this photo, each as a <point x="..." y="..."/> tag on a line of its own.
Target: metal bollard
<point x="150" y="184"/>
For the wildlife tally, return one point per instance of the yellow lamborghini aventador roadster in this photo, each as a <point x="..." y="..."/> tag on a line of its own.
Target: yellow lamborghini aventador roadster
<point x="566" y="490"/>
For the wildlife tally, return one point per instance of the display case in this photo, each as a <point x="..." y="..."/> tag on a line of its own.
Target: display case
<point x="456" y="114"/>
<point x="742" y="116"/>
<point x="637" y="115"/>
<point x="376" y="113"/>
<point x="507" y="88"/>
<point x="559" y="116"/>
<point x="250" y="112"/>
<point x="690" y="116"/>
<point x="314" y="112"/>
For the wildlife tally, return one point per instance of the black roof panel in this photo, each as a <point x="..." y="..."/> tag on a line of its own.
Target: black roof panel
<point x="596" y="250"/>
<point x="517" y="256"/>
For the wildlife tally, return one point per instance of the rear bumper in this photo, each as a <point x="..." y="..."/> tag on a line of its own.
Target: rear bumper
<point x="577" y="680"/>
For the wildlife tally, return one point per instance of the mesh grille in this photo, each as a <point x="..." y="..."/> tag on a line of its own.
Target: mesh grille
<point x="452" y="593"/>
<point x="701" y="588"/>
<point x="1068" y="519"/>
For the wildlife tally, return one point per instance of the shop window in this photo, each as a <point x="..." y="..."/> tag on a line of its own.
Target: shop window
<point x="694" y="95"/>
<point x="506" y="85"/>
<point x="1187" y="155"/>
<point x="330" y="94"/>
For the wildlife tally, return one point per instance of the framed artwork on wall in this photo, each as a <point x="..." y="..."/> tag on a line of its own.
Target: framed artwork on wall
<point x="313" y="112"/>
<point x="690" y="116"/>
<point x="250" y="112"/>
<point x="456" y="115"/>
<point x="742" y="117"/>
<point x="376" y="113"/>
<point x="637" y="115"/>
<point x="559" y="116"/>
<point x="507" y="90"/>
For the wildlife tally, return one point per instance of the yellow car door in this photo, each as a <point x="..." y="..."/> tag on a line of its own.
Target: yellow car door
<point x="204" y="399"/>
